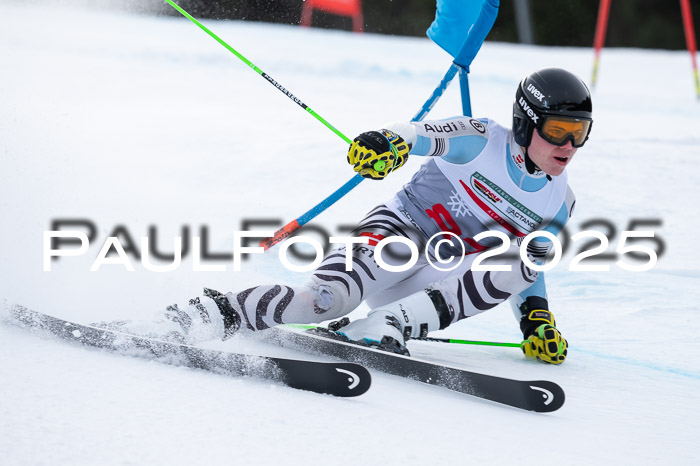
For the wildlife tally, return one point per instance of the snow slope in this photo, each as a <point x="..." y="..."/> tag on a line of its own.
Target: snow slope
<point x="134" y="121"/>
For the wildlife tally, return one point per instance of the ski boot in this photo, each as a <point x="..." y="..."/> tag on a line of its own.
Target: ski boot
<point x="211" y="317"/>
<point x="389" y="327"/>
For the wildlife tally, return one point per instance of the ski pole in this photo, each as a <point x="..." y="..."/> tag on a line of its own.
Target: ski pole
<point x="439" y="340"/>
<point x="297" y="223"/>
<point x="287" y="230"/>
<point x="469" y="342"/>
<point x="259" y="71"/>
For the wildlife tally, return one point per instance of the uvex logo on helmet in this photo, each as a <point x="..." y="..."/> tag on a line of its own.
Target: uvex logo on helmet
<point x="526" y="108"/>
<point x="535" y="92"/>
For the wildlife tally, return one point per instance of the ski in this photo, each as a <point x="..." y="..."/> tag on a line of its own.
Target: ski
<point x="339" y="379"/>
<point x="535" y="395"/>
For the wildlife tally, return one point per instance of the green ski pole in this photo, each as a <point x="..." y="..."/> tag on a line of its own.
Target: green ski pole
<point x="259" y="71"/>
<point x="469" y="342"/>
<point x="438" y="340"/>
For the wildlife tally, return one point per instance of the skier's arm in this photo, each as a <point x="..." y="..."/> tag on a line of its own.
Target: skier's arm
<point x="539" y="248"/>
<point x="375" y="154"/>
<point x="457" y="140"/>
<point x="543" y="340"/>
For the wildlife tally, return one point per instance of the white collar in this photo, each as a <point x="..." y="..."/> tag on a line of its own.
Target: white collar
<point x="518" y="157"/>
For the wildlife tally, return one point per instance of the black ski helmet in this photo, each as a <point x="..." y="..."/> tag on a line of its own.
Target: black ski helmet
<point x="548" y="92"/>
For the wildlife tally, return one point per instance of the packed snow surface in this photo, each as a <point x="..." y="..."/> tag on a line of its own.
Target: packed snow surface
<point x="131" y="121"/>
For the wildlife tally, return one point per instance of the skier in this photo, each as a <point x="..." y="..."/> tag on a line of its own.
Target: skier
<point x="479" y="177"/>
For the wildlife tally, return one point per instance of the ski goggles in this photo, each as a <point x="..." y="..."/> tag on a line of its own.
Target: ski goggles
<point x="558" y="130"/>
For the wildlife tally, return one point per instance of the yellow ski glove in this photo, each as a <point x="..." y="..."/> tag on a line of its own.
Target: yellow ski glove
<point x="542" y="339"/>
<point x="375" y="154"/>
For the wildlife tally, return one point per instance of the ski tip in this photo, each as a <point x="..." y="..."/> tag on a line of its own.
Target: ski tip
<point x="22" y="315"/>
<point x="357" y="379"/>
<point x="332" y="378"/>
<point x="546" y="396"/>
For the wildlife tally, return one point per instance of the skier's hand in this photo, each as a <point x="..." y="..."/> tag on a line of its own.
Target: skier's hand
<point x="543" y="340"/>
<point x="375" y="154"/>
<point x="546" y="344"/>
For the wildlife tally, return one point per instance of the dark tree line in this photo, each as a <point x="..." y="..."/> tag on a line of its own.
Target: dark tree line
<point x="632" y="23"/>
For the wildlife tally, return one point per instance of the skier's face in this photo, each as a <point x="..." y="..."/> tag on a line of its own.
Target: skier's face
<point x="550" y="158"/>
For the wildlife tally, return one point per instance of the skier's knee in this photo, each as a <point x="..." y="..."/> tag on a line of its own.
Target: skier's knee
<point x="331" y="298"/>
